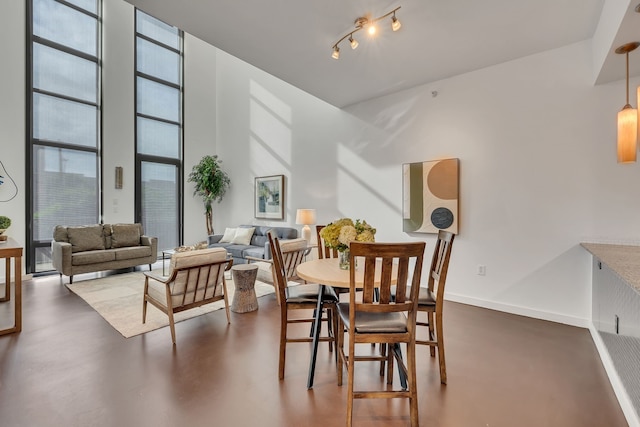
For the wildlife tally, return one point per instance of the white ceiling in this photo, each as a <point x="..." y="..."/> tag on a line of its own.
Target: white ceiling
<point x="292" y="39"/>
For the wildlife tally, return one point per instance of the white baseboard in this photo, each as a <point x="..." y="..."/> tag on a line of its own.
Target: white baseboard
<point x="522" y="311"/>
<point x="618" y="388"/>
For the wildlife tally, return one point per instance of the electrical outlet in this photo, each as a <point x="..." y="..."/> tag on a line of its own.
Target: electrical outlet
<point x="482" y="270"/>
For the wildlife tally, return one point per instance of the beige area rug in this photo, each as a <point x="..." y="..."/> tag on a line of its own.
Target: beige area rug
<point x="118" y="299"/>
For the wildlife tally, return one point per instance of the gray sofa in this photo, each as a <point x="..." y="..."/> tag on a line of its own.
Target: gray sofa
<point x="259" y="245"/>
<point x="91" y="248"/>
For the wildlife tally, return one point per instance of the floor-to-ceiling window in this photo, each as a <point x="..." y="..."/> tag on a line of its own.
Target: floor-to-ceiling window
<point x="159" y="129"/>
<point x="63" y="121"/>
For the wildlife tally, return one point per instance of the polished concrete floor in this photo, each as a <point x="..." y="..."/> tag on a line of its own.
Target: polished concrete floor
<point x="69" y="367"/>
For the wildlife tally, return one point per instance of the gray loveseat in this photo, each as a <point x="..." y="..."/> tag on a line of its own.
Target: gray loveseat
<point x="258" y="247"/>
<point x="91" y="248"/>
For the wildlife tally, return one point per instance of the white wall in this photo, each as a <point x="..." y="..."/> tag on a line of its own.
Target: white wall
<point x="536" y="143"/>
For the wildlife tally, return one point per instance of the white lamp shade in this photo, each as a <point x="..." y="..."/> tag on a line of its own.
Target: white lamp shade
<point x="627" y="135"/>
<point x="306" y="216"/>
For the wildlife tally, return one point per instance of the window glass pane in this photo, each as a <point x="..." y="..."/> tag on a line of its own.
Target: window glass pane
<point x="65" y="189"/>
<point x="158" y="100"/>
<point x="88" y="5"/>
<point x="59" y="120"/>
<point x="157" y="61"/>
<point x="158" y="138"/>
<point x="160" y="203"/>
<point x="157" y="30"/>
<point x="59" y="72"/>
<point x="62" y="24"/>
<point x="43" y="259"/>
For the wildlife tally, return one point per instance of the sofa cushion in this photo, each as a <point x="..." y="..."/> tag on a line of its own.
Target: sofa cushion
<point x="228" y="235"/>
<point x="93" y="257"/>
<point x="125" y="235"/>
<point x="243" y="236"/>
<point x="132" y="252"/>
<point x="253" y="251"/>
<point x="85" y="238"/>
<point x="60" y="234"/>
<point x="237" y="251"/>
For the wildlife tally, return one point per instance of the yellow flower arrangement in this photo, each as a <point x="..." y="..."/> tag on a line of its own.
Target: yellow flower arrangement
<point x="340" y="233"/>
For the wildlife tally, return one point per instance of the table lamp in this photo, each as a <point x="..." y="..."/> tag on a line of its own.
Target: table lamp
<point x="306" y="217"/>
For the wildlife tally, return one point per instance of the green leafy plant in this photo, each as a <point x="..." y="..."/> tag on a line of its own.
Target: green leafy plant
<point x="5" y="222"/>
<point x="211" y="183"/>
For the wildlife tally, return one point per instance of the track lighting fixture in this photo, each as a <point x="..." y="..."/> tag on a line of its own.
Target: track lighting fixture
<point x="370" y="25"/>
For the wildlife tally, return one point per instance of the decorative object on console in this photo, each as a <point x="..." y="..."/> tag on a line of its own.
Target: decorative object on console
<point x="430" y="196"/>
<point x="306" y="217"/>
<point x="269" y="197"/>
<point x="368" y="23"/>
<point x="627" y="118"/>
<point x="339" y="234"/>
<point x="211" y="183"/>
<point x="5" y="222"/>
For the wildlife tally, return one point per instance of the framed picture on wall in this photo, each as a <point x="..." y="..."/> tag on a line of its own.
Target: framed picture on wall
<point x="269" y="197"/>
<point x="430" y="196"/>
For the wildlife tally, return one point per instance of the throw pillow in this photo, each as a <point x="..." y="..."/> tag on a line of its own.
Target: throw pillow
<point x="243" y="236"/>
<point x="228" y="235"/>
<point x="124" y="235"/>
<point x="85" y="238"/>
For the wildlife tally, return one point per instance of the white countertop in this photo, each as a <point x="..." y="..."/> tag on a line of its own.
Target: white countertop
<point x="624" y="260"/>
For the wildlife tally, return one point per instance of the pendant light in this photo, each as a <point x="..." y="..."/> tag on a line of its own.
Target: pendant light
<point x="627" y="118"/>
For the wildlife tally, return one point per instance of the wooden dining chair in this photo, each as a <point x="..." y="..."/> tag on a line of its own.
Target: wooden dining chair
<point x="431" y="299"/>
<point x="324" y="251"/>
<point x="298" y="297"/>
<point x="195" y="278"/>
<point x="383" y="321"/>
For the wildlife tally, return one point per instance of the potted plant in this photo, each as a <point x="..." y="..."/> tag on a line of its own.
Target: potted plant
<point x="211" y="183"/>
<point x="5" y="222"/>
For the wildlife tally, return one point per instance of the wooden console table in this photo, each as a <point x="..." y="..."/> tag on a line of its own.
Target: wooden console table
<point x="11" y="249"/>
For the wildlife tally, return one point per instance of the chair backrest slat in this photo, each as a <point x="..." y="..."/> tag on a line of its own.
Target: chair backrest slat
<point x="380" y="261"/>
<point x="440" y="264"/>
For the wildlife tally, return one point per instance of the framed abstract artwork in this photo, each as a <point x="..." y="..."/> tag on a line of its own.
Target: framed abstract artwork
<point x="269" y="197"/>
<point x="430" y="192"/>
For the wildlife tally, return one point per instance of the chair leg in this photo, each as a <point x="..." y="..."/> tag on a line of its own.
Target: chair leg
<point x="412" y="380"/>
<point x="350" y="375"/>
<point x="172" y="326"/>
<point x="440" y="339"/>
<point x="226" y="299"/>
<point x="340" y="349"/>
<point x="283" y="340"/>
<point x="432" y="334"/>
<point x="144" y="300"/>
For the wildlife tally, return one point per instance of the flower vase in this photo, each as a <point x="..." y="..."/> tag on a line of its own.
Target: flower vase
<point x="343" y="259"/>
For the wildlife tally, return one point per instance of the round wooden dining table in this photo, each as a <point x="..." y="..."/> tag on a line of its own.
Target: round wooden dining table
<point x="327" y="272"/>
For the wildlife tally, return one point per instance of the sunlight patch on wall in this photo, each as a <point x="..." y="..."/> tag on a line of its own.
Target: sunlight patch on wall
<point x="270" y="125"/>
<point x="367" y="191"/>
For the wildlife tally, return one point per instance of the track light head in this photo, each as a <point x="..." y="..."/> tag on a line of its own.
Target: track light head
<point x="336" y="52"/>
<point x="354" y="43"/>
<point x="395" y="24"/>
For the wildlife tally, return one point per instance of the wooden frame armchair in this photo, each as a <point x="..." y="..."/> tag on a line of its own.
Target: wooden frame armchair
<point x="195" y="278"/>
<point x="386" y="321"/>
